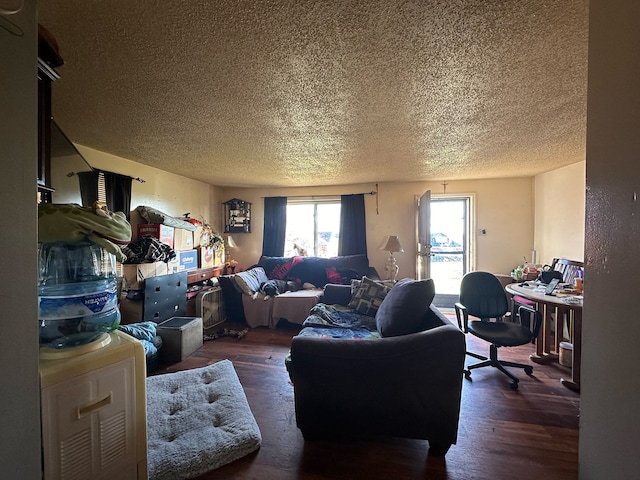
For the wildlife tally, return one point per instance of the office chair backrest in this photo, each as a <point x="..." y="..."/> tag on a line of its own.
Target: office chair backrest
<point x="483" y="295"/>
<point x="568" y="268"/>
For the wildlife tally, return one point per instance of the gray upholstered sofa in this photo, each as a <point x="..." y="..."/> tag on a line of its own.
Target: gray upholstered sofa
<point x="311" y="273"/>
<point x="396" y="373"/>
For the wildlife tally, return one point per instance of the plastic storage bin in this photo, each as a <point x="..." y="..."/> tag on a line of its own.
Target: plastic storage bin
<point x="77" y="293"/>
<point x="566" y="354"/>
<point x="181" y="336"/>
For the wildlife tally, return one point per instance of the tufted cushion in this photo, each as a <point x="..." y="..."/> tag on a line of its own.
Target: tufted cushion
<point x="368" y="297"/>
<point x="197" y="420"/>
<point x="404" y="308"/>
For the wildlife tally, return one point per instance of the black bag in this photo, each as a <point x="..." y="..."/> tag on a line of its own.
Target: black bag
<point x="547" y="274"/>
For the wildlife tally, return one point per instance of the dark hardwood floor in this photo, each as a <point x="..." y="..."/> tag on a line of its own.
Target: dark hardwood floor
<point x="531" y="433"/>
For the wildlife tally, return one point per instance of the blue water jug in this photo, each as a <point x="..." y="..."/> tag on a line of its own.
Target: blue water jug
<point x="77" y="293"/>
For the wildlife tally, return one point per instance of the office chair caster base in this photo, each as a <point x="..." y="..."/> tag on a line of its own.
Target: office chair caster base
<point x="528" y="370"/>
<point x="514" y="385"/>
<point x="467" y="373"/>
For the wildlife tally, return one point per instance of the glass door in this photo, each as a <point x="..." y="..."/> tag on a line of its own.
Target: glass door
<point x="449" y="247"/>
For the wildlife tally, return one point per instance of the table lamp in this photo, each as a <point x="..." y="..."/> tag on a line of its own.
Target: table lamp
<point x="392" y="244"/>
<point x="229" y="243"/>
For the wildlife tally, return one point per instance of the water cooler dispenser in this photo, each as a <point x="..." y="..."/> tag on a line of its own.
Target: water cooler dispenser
<point x="92" y="376"/>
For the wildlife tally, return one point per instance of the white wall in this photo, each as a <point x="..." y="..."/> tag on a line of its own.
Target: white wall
<point x="173" y="194"/>
<point x="609" y="419"/>
<point x="20" y="397"/>
<point x="560" y="213"/>
<point x="504" y="207"/>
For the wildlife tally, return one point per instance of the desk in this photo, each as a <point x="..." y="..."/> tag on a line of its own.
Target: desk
<point x="546" y="350"/>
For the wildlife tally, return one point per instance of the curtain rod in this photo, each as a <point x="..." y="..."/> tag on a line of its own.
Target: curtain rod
<point x="325" y="195"/>
<point x="138" y="179"/>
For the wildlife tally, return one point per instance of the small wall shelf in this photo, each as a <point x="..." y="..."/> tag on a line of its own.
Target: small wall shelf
<point x="237" y="216"/>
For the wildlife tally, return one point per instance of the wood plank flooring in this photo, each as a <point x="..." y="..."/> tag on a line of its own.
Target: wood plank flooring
<point x="531" y="433"/>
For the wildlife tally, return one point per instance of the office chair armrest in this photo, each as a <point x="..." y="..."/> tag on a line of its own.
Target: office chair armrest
<point x="537" y="322"/>
<point x="462" y="322"/>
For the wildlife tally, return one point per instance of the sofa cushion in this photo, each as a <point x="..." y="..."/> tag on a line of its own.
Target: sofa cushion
<point x="278" y="268"/>
<point x="368" y="297"/>
<point x="314" y="269"/>
<point x="249" y="281"/>
<point x="405" y="307"/>
<point x="311" y="270"/>
<point x="336" y="294"/>
<point x="333" y="276"/>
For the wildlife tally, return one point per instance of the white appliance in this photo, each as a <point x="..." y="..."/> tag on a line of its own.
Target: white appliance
<point x="93" y="401"/>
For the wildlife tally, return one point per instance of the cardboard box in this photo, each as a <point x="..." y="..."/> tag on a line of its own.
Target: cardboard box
<point x="164" y="233"/>
<point x="198" y="238"/>
<point x="183" y="239"/>
<point x="135" y="220"/>
<point x="181" y="336"/>
<point x="131" y="311"/>
<point x="186" y="260"/>
<point x="134" y="275"/>
<point x="206" y="257"/>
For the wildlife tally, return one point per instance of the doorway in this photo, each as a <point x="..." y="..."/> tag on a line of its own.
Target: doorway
<point x="449" y="259"/>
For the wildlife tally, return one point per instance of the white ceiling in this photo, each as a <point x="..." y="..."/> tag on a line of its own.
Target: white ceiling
<point x="300" y="92"/>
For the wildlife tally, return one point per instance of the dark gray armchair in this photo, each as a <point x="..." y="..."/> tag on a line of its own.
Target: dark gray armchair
<point x="404" y="386"/>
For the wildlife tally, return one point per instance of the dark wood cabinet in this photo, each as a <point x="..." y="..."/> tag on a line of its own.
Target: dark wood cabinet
<point x="201" y="274"/>
<point x="48" y="60"/>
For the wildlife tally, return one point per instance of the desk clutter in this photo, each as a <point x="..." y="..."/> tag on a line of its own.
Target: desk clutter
<point x="569" y="273"/>
<point x="561" y="332"/>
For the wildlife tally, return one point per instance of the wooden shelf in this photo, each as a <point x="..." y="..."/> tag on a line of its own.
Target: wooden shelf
<point x="202" y="274"/>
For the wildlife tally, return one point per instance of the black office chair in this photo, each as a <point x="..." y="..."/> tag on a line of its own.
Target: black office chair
<point x="482" y="296"/>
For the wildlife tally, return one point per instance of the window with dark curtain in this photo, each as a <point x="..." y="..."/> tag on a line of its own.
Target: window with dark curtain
<point x="88" y="187"/>
<point x="117" y="187"/>
<point x="353" y="229"/>
<point x="275" y="226"/>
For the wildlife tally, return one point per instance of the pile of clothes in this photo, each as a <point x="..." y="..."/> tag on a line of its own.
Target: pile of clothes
<point x="151" y="341"/>
<point x="148" y="249"/>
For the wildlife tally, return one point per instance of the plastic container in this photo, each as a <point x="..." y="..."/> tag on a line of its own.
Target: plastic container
<point x="77" y="293"/>
<point x="566" y="354"/>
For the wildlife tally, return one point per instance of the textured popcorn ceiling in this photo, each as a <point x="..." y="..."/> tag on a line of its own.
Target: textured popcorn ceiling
<point x="325" y="92"/>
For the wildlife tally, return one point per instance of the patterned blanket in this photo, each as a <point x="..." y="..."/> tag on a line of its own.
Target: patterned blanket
<point x="338" y="316"/>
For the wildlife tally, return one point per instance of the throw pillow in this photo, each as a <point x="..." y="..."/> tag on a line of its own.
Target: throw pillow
<point x="249" y="281"/>
<point x="404" y="308"/>
<point x="368" y="297"/>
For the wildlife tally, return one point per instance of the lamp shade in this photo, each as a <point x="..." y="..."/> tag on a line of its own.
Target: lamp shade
<point x="392" y="244"/>
<point x="230" y="243"/>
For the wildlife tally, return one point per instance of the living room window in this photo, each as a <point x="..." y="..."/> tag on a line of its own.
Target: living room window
<point x="102" y="190"/>
<point x="313" y="228"/>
